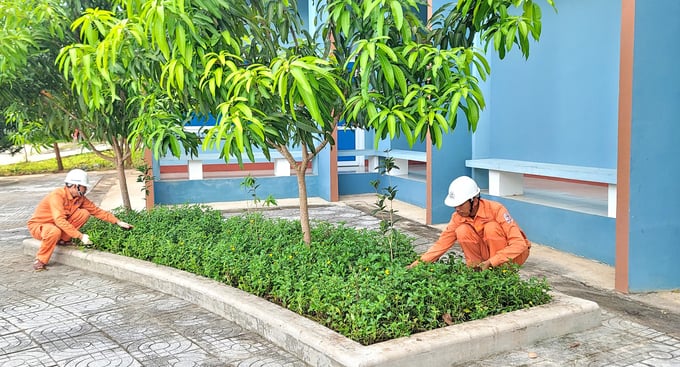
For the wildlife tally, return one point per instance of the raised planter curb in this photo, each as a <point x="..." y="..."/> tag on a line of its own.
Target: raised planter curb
<point x="320" y="346"/>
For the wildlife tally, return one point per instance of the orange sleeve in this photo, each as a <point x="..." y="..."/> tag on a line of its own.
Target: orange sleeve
<point x="517" y="241"/>
<point x="56" y="207"/>
<point x="446" y="239"/>
<point x="98" y="212"/>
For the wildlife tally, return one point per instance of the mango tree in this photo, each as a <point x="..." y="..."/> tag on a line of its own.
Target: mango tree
<point x="30" y="38"/>
<point x="38" y="100"/>
<point x="273" y="84"/>
<point x="113" y="100"/>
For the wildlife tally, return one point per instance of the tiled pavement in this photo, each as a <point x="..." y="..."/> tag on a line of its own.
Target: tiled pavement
<point x="69" y="317"/>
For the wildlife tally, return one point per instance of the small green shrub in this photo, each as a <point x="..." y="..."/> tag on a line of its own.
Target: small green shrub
<point x="346" y="280"/>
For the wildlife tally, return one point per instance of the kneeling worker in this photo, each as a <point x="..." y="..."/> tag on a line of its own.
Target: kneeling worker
<point x="60" y="215"/>
<point x="485" y="230"/>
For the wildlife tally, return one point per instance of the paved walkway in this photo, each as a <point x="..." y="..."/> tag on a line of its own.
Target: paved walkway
<point x="68" y="317"/>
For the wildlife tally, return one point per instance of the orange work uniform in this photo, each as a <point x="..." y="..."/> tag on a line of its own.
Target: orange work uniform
<point x="59" y="216"/>
<point x="491" y="235"/>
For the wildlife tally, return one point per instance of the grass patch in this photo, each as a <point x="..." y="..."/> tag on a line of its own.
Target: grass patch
<point x="348" y="280"/>
<point x="86" y="161"/>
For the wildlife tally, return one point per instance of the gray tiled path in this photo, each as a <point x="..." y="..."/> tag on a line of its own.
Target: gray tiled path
<point x="68" y="317"/>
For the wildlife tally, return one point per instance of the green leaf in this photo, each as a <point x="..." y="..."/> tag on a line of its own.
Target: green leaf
<point x="370" y="7"/>
<point x="387" y="70"/>
<point x="401" y="79"/>
<point x="180" y="40"/>
<point x="397" y="13"/>
<point x="523" y="32"/>
<point x="179" y="76"/>
<point x="392" y="125"/>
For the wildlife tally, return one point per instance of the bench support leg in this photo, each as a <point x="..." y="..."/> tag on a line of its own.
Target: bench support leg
<point x="373" y="163"/>
<point x="403" y="167"/>
<point x="611" y="201"/>
<point x="505" y="183"/>
<point x="195" y="169"/>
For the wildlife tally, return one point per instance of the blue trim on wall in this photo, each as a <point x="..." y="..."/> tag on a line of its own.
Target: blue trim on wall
<point x="654" y="195"/>
<point x="228" y="189"/>
<point x="587" y="235"/>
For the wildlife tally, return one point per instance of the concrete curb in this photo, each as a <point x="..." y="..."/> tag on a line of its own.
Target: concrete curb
<point x="320" y="346"/>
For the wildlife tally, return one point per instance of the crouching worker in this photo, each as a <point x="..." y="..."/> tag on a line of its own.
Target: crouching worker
<point x="484" y="229"/>
<point x="60" y="215"/>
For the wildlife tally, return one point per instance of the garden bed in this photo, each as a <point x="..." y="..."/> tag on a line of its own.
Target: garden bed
<point x="349" y="290"/>
<point x="320" y="346"/>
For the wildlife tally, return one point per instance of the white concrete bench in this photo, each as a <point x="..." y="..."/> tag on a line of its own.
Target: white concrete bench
<point x="195" y="164"/>
<point x="401" y="158"/>
<point x="506" y="177"/>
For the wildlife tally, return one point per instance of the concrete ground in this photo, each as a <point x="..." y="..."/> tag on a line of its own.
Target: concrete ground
<point x="98" y="320"/>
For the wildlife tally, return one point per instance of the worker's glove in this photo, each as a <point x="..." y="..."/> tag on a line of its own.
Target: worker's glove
<point x="124" y="225"/>
<point x="86" y="240"/>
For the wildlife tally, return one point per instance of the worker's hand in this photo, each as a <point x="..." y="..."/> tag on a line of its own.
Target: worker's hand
<point x="124" y="225"/>
<point x="86" y="240"/>
<point x="483" y="265"/>
<point x="413" y="264"/>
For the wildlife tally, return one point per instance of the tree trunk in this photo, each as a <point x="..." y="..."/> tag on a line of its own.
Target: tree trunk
<point x="300" y="171"/>
<point x="120" y="168"/>
<point x="57" y="156"/>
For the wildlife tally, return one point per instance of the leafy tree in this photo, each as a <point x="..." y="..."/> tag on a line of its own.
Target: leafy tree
<point x="38" y="102"/>
<point x="26" y="68"/>
<point x="272" y="84"/>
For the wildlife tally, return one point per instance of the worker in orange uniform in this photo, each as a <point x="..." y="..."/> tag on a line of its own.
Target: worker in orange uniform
<point x="484" y="229"/>
<point x="60" y="215"/>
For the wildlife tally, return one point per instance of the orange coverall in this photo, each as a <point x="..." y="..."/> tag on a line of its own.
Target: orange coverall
<point x="59" y="216"/>
<point x="491" y="235"/>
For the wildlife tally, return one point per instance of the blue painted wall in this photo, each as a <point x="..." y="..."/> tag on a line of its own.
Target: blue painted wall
<point x="560" y="105"/>
<point x="322" y="166"/>
<point x="590" y="236"/>
<point x="654" y="194"/>
<point x="220" y="190"/>
<point x="449" y="163"/>
<point x="356" y="183"/>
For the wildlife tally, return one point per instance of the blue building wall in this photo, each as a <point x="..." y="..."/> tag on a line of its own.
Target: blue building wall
<point x="228" y="189"/>
<point x="322" y="166"/>
<point x="587" y="235"/>
<point x="560" y="105"/>
<point x="447" y="164"/>
<point x="654" y="174"/>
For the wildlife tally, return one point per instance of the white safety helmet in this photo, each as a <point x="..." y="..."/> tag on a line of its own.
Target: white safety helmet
<point x="460" y="190"/>
<point x="77" y="177"/>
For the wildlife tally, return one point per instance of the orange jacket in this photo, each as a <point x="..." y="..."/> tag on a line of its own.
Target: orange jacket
<point x="488" y="211"/>
<point x="58" y="205"/>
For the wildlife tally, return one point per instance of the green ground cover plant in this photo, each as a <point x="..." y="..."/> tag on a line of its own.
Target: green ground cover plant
<point x="349" y="280"/>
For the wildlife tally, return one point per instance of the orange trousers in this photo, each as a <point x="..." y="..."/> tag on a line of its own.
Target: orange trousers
<point x="49" y="234"/>
<point x="478" y="248"/>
